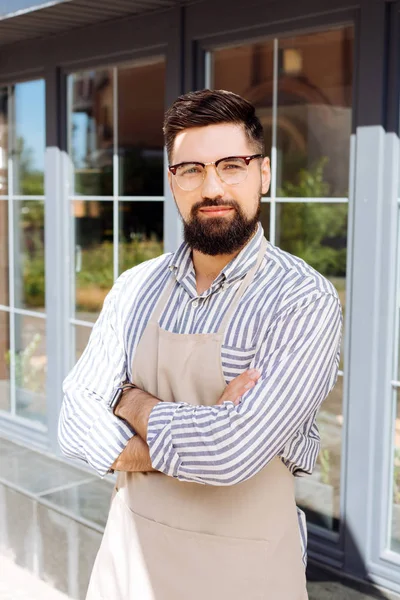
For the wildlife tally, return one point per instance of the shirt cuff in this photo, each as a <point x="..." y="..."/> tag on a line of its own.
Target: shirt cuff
<point x="106" y="439"/>
<point x="164" y="456"/>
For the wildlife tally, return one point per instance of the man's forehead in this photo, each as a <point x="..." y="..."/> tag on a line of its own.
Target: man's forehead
<point x="210" y="143"/>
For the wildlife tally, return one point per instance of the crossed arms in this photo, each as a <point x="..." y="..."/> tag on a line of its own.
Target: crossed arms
<point x="135" y="408"/>
<point x="218" y="445"/>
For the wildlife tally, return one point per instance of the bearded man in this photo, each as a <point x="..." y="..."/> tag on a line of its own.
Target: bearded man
<point x="201" y="382"/>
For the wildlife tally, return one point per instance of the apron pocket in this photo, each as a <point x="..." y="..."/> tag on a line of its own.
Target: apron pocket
<point x="183" y="564"/>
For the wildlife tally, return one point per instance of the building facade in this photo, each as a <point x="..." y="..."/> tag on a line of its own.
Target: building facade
<point x="84" y="196"/>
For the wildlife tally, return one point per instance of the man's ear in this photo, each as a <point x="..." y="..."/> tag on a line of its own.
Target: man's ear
<point x="265" y="175"/>
<point x="170" y="181"/>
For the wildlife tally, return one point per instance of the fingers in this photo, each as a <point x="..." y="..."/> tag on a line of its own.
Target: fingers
<point x="239" y="386"/>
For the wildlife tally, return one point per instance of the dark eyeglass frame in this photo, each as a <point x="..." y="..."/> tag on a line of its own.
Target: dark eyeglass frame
<point x="247" y="159"/>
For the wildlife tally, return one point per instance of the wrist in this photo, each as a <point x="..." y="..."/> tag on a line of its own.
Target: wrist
<point x="125" y="405"/>
<point x="135" y="408"/>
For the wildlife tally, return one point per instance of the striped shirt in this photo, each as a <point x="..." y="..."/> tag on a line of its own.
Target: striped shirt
<point x="287" y="325"/>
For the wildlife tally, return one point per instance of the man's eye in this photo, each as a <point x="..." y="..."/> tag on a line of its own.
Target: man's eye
<point x="233" y="166"/>
<point x="190" y="171"/>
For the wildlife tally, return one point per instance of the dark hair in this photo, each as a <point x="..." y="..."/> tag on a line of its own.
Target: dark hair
<point x="211" y="107"/>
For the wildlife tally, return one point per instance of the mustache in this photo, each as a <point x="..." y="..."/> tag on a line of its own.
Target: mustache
<point x="210" y="202"/>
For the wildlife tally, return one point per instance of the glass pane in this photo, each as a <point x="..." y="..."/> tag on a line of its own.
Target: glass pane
<point x="4" y="266"/>
<point x="29" y="266"/>
<point x="248" y="71"/>
<point x="395" y="501"/>
<point x="4" y="361"/>
<point x="317" y="233"/>
<point x="30" y="367"/>
<point x="93" y="226"/>
<point x="265" y="217"/>
<point x="3" y="141"/>
<point x="82" y="335"/>
<point x="91" y="132"/>
<point x="29" y="143"/>
<point x="141" y="97"/>
<point x="314" y="114"/>
<point x="319" y="494"/>
<point x="141" y="232"/>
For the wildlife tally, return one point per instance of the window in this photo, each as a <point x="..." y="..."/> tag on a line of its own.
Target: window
<point x="302" y="89"/>
<point x="23" y="357"/>
<point x="116" y="147"/>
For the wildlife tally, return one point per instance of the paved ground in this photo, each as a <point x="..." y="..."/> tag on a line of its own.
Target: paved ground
<point x="18" y="584"/>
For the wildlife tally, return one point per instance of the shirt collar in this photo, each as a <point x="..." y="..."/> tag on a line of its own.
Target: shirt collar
<point x="182" y="265"/>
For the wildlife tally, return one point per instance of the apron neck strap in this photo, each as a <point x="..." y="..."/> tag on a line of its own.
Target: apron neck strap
<point x="243" y="287"/>
<point x="163" y="299"/>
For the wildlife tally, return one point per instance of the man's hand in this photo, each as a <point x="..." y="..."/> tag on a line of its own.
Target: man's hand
<point x="135" y="407"/>
<point x="239" y="386"/>
<point x="135" y="457"/>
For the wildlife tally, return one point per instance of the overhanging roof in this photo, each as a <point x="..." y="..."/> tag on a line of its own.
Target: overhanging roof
<point x="28" y="19"/>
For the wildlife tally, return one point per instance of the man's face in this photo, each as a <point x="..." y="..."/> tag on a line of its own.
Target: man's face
<point x="219" y="218"/>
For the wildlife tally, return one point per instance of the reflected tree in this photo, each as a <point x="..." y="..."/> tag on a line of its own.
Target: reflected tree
<point x="31" y="227"/>
<point x="314" y="231"/>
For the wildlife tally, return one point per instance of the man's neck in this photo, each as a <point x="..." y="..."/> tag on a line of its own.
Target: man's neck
<point x="207" y="268"/>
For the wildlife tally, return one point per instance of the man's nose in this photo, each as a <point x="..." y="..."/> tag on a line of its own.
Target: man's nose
<point x="212" y="186"/>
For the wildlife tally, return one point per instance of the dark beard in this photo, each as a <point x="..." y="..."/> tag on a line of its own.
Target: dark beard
<point x="219" y="235"/>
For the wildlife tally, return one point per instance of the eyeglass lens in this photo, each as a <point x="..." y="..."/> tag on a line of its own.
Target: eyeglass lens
<point x="231" y="171"/>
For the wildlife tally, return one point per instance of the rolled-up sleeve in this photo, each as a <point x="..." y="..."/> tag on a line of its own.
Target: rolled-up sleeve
<point x="227" y="444"/>
<point x="87" y="430"/>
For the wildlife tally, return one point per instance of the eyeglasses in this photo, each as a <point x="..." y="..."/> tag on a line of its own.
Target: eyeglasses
<point x="231" y="170"/>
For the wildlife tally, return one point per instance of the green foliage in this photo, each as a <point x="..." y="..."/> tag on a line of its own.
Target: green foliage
<point x="27" y="375"/>
<point x="314" y="231"/>
<point x="324" y="459"/>
<point x="138" y="250"/>
<point x="97" y="267"/>
<point x="310" y="183"/>
<point x="97" y="261"/>
<point x="34" y="281"/>
<point x="30" y="181"/>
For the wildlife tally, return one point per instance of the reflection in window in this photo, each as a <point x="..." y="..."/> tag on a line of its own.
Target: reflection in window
<point x="93" y="223"/>
<point x="140" y="136"/>
<point x="24" y="137"/>
<point x="310" y="127"/>
<point x="4" y="361"/>
<point x="29" y="260"/>
<point x="248" y="70"/>
<point x="4" y="141"/>
<point x="265" y="217"/>
<point x="81" y="335"/>
<point x="4" y="266"/>
<point x="314" y="114"/>
<point x="29" y="142"/>
<point x="317" y="233"/>
<point x="141" y="232"/>
<point x="30" y="367"/>
<point x="319" y="494"/>
<point x="313" y="123"/>
<point x="91" y="133"/>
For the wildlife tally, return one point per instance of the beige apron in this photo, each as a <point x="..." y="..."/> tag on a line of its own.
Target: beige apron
<point x="171" y="540"/>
